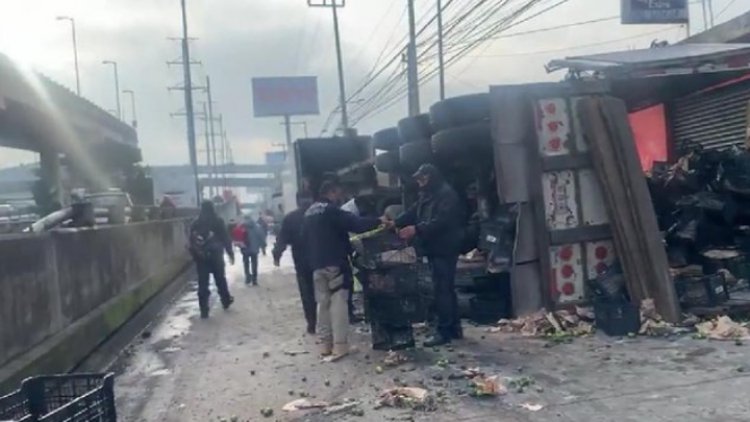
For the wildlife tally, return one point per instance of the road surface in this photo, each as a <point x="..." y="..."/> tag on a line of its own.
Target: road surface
<point x="255" y="356"/>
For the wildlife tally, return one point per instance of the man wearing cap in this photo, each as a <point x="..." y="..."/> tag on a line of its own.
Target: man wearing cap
<point x="437" y="221"/>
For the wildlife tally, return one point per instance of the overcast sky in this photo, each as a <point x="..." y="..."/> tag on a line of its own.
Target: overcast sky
<point x="240" y="39"/>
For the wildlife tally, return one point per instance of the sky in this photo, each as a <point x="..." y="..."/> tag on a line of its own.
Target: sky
<point x="241" y="39"/>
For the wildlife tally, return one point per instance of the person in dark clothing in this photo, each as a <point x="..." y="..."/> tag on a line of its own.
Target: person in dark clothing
<point x="436" y="219"/>
<point x="208" y="241"/>
<point x="254" y="240"/>
<point x="290" y="233"/>
<point x="325" y="232"/>
<point x="263" y="224"/>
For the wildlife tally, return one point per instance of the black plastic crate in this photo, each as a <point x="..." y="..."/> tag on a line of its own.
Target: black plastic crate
<point x="488" y="311"/>
<point x="710" y="290"/>
<point x="617" y="319"/>
<point x="391" y="337"/>
<point x="62" y="398"/>
<point x="400" y="310"/>
<point x="402" y="280"/>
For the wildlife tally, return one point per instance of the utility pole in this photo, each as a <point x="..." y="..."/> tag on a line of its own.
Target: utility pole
<point x="189" y="103"/>
<point x="412" y="73"/>
<point x="711" y="13"/>
<point x="206" y="123"/>
<point x="335" y="5"/>
<point x="705" y="15"/>
<point x="211" y="120"/>
<point x="441" y="58"/>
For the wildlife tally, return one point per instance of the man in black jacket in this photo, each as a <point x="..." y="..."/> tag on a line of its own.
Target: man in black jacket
<point x="208" y="241"/>
<point x="437" y="222"/>
<point x="325" y="232"/>
<point x="291" y="234"/>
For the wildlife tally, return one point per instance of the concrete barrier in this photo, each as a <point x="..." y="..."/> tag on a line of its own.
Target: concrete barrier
<point x="64" y="292"/>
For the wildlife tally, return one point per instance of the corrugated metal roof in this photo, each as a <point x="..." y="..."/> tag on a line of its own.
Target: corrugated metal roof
<point x="679" y="55"/>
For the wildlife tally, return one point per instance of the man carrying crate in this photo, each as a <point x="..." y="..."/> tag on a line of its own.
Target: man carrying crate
<point x="436" y="219"/>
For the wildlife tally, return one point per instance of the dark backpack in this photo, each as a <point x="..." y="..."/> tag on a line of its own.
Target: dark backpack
<point x="201" y="243"/>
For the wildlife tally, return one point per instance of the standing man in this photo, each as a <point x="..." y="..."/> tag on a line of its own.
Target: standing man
<point x="253" y="240"/>
<point x="325" y="232"/>
<point x="437" y="221"/>
<point x="208" y="242"/>
<point x="290" y="233"/>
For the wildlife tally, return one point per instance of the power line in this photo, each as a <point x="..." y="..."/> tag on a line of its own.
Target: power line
<point x="577" y="47"/>
<point x="725" y="8"/>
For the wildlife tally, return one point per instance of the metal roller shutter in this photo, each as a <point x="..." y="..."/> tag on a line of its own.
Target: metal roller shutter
<point x="715" y="119"/>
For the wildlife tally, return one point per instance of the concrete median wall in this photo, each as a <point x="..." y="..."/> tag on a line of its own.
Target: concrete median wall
<point x="62" y="293"/>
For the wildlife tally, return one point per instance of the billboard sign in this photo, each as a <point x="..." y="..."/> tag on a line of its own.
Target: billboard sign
<point x="276" y="158"/>
<point x="655" y="11"/>
<point x="285" y="96"/>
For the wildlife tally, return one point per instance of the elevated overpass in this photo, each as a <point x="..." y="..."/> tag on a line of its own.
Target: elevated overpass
<point x="38" y="114"/>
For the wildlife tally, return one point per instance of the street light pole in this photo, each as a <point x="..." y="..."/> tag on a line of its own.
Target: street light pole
<point x="75" y="50"/>
<point x="190" y="113"/>
<point x="117" y="87"/>
<point x="132" y="105"/>
<point x="335" y="5"/>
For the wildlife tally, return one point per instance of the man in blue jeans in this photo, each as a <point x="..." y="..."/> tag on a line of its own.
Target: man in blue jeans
<point x="437" y="221"/>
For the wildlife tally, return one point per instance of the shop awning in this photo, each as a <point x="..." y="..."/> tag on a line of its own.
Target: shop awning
<point x="655" y="75"/>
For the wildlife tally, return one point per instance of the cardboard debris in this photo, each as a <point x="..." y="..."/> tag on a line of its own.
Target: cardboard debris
<point x="406" y="398"/>
<point x="532" y="407"/>
<point x="488" y="386"/>
<point x="303" y="404"/>
<point x="399" y="256"/>
<point x="543" y="323"/>
<point x="723" y="328"/>
<point x="393" y="359"/>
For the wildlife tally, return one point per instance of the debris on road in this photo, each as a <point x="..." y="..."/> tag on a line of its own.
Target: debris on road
<point x="521" y="384"/>
<point x="349" y="406"/>
<point x="723" y="328"/>
<point x="296" y="352"/>
<point x="303" y="404"/>
<point x="543" y="323"/>
<point x="266" y="412"/>
<point x="393" y="359"/>
<point x="407" y="398"/>
<point x="488" y="386"/>
<point x="532" y="407"/>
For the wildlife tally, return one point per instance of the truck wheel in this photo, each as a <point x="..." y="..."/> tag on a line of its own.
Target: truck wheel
<point x="460" y="111"/>
<point x="387" y="139"/>
<point x="474" y="140"/>
<point x="415" y="128"/>
<point x="387" y="162"/>
<point x="414" y="154"/>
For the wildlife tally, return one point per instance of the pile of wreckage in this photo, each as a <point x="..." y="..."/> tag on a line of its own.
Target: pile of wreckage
<point x="702" y="203"/>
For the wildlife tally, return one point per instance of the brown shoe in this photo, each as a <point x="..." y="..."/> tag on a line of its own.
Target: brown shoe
<point x="340" y="351"/>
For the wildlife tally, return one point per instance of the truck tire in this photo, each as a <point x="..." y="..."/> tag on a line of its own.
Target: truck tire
<point x="415" y="128"/>
<point x="414" y="154"/>
<point x="387" y="162"/>
<point x="474" y="140"/>
<point x="387" y="139"/>
<point x="460" y="111"/>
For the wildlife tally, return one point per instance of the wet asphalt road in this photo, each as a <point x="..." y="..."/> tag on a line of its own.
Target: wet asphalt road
<point x="255" y="356"/>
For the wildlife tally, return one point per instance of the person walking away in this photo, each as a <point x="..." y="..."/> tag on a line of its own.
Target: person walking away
<point x="252" y="242"/>
<point x="325" y="231"/>
<point x="290" y="233"/>
<point x="436" y="219"/>
<point x="263" y="224"/>
<point x="209" y="240"/>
